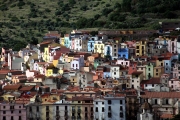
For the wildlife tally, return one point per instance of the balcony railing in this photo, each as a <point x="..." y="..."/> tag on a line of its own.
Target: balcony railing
<point x="79" y="110"/>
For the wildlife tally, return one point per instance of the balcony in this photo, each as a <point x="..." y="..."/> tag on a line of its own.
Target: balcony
<point x="72" y="73"/>
<point x="79" y="111"/>
<point x="73" y="117"/>
<point x="73" y="110"/>
<point x="78" y="117"/>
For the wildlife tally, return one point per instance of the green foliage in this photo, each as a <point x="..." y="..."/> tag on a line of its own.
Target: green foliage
<point x="21" y="3"/>
<point x="116" y="16"/>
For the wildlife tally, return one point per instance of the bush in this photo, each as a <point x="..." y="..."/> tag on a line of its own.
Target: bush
<point x="21" y="3"/>
<point x="14" y="19"/>
<point x="58" y="12"/>
<point x="47" y="10"/>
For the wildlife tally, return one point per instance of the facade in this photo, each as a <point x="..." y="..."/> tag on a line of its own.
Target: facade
<point x="99" y="109"/>
<point x="12" y="111"/>
<point x="172" y="45"/>
<point x="149" y="70"/>
<point x="90" y="43"/>
<point x="140" y="48"/>
<point x="115" y="107"/>
<point x="77" y="63"/>
<point x="123" y="51"/>
<point x="99" y="47"/>
<point x="114" y="71"/>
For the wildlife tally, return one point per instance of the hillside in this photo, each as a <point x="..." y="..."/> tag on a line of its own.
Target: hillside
<point x="23" y="21"/>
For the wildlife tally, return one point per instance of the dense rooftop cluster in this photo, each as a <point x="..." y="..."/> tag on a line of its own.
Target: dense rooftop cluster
<point x="84" y="77"/>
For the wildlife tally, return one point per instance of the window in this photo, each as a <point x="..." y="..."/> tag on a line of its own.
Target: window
<point x="96" y="103"/>
<point x="167" y="101"/>
<point x="132" y="80"/>
<point x="114" y="73"/>
<point x="121" y="102"/>
<point x="20" y="118"/>
<point x="4" y="112"/>
<point x="4" y="117"/>
<point x="166" y="63"/>
<point x="109" y="115"/>
<point x="103" y="103"/>
<point x="4" y="107"/>
<point x="11" y="111"/>
<point x="96" y="109"/>
<point x="155" y="101"/>
<point x="146" y="85"/>
<point x="109" y="108"/>
<point x="20" y="111"/>
<point x="37" y="108"/>
<point x="156" y="70"/>
<point x="156" y="73"/>
<point x="79" y="101"/>
<point x="73" y="65"/>
<point x="102" y="109"/>
<point x="12" y="118"/>
<point x="86" y="109"/>
<point x="47" y="107"/>
<point x="152" y="85"/>
<point x="109" y="101"/>
<point x="171" y="81"/>
<point x="149" y="69"/>
<point x="121" y="115"/>
<point x="121" y="108"/>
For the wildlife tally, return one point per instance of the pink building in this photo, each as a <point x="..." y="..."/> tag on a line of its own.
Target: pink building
<point x="73" y="44"/>
<point x="131" y="43"/>
<point x="12" y="111"/>
<point x="174" y="84"/>
<point x="123" y="62"/>
<point x="172" y="45"/>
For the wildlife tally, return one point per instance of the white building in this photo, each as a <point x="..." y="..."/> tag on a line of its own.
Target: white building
<point x="147" y="112"/>
<point x="114" y="71"/>
<point x="78" y="43"/>
<point x="108" y="49"/>
<point x="135" y="79"/>
<point x="99" y="109"/>
<point x="115" y="107"/>
<point x="77" y="63"/>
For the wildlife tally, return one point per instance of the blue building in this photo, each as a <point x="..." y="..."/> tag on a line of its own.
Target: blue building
<point x="123" y="53"/>
<point x="90" y="43"/>
<point x="106" y="72"/>
<point x="67" y="41"/>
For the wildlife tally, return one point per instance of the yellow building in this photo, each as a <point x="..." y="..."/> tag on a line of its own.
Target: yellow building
<point x="99" y="48"/>
<point x="62" y="41"/>
<point x="140" y="48"/>
<point x="159" y="62"/>
<point x="49" y="70"/>
<point x="70" y="58"/>
<point x="158" y="71"/>
<point x="46" y="54"/>
<point x="48" y="110"/>
<point x="73" y="77"/>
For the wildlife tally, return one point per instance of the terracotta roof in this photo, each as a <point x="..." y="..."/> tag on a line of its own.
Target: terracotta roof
<point x="165" y="116"/>
<point x="39" y="76"/>
<point x="45" y="42"/>
<point x="12" y="87"/>
<point x="137" y="73"/>
<point x="151" y="81"/>
<point x="161" y="95"/>
<point x="81" y="98"/>
<point x="27" y="88"/>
